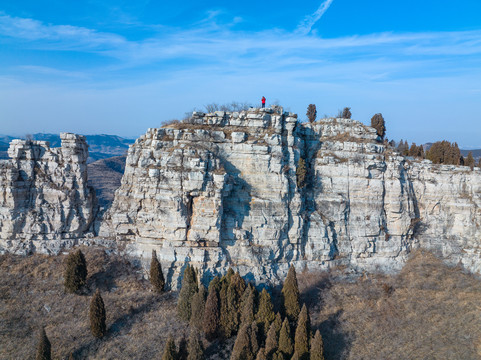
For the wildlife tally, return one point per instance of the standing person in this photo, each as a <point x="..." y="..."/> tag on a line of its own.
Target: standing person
<point x="263" y="102"/>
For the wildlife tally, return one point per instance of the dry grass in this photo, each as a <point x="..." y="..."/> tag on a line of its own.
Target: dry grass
<point x="428" y="311"/>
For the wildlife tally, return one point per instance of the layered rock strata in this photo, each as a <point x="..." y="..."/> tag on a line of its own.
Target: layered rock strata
<point x="44" y="196"/>
<point x="259" y="191"/>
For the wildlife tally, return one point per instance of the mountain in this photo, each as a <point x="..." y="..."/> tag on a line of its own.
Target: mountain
<point x="105" y="176"/>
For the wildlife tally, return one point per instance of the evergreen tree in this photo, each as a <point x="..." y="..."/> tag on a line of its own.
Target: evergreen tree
<point x="317" y="347"/>
<point x="311" y="113"/>
<point x="272" y="341"/>
<point x="44" y="349"/>
<point x="301" y="173"/>
<point x="156" y="276"/>
<point x="261" y="355"/>
<point x="378" y="123"/>
<point x="290" y="296"/>
<point x="229" y="274"/>
<point x="215" y="284"/>
<point x="189" y="288"/>
<point x="225" y="316"/>
<point x="170" y="351"/>
<point x="195" y="348"/>
<point x="285" y="340"/>
<point x="198" y="306"/>
<point x="75" y="272"/>
<point x="211" y="315"/>
<point x="183" y="352"/>
<point x="246" y="345"/>
<point x="248" y="306"/>
<point x="235" y="291"/>
<point x="278" y="355"/>
<point x="469" y="160"/>
<point x="265" y="315"/>
<point x="346" y="113"/>
<point x="97" y="316"/>
<point x="303" y="334"/>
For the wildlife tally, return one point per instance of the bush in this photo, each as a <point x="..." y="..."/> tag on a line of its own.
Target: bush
<point x="377" y="122"/>
<point x="97" y="316"/>
<point x="44" y="351"/>
<point x="75" y="272"/>
<point x="156" y="276"/>
<point x="311" y="113"/>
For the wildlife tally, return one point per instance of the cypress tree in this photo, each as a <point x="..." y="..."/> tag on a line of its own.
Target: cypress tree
<point x="44" y="349"/>
<point x="278" y="356"/>
<point x="272" y="341"/>
<point x="246" y="345"/>
<point x="195" y="348"/>
<point x="229" y="274"/>
<point x="183" y="352"/>
<point x="317" y="347"/>
<point x="189" y="288"/>
<point x="198" y="306"/>
<point x="156" y="276"/>
<point x="224" y="308"/>
<point x="261" y="355"/>
<point x="211" y="315"/>
<point x="75" y="272"/>
<point x="285" y="340"/>
<point x="265" y="315"/>
<point x="290" y="296"/>
<point x="248" y="306"/>
<point x="235" y="291"/>
<point x="97" y="316"/>
<point x="214" y="283"/>
<point x="311" y="113"/>
<point x="303" y="334"/>
<point x="378" y="123"/>
<point x="170" y="351"/>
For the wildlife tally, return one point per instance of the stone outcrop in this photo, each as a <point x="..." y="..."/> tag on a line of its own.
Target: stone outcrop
<point x="44" y="196"/>
<point x="227" y="189"/>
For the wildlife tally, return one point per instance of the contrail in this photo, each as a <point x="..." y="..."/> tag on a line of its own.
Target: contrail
<point x="306" y="25"/>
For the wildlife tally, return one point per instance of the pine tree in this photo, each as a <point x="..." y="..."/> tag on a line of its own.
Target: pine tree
<point x="44" y="349"/>
<point x="189" y="288"/>
<point x="290" y="296"/>
<point x="285" y="340"/>
<point x="198" y="306"/>
<point x="156" y="276"/>
<point x="235" y="291"/>
<point x="317" y="347"/>
<point x="248" y="306"/>
<point x="183" y="352"/>
<point x="97" y="316"/>
<point x="170" y="351"/>
<point x="211" y="315"/>
<point x="303" y="334"/>
<point x="75" y="272"/>
<point x="469" y="160"/>
<point x="378" y="123"/>
<point x="195" y="348"/>
<point x="265" y="315"/>
<point x="246" y="345"/>
<point x="311" y="113"/>
<point x="272" y="341"/>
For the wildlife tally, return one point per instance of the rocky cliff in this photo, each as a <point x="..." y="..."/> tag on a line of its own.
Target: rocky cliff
<point x="45" y="201"/>
<point x="259" y="191"/>
<point x="256" y="190"/>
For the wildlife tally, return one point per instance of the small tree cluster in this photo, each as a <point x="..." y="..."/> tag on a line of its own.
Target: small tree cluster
<point x="75" y="271"/>
<point x="377" y="122"/>
<point x="444" y="152"/>
<point x="416" y="151"/>
<point x="311" y="113"/>
<point x="191" y="350"/>
<point x="156" y="276"/>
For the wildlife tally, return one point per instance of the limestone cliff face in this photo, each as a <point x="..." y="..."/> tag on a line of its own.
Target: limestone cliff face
<point x="226" y="190"/>
<point x="44" y="194"/>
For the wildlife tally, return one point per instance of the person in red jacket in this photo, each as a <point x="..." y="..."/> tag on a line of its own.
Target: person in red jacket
<point x="263" y="102"/>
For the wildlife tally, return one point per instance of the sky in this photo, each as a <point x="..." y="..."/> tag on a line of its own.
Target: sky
<point x="120" y="67"/>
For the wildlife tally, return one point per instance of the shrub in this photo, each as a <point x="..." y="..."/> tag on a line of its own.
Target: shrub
<point x="44" y="350"/>
<point x="311" y="113"/>
<point x="189" y="288"/>
<point x="195" y="348"/>
<point x="346" y="113"/>
<point x="290" y="296"/>
<point x="378" y="123"/>
<point x="198" y="306"/>
<point x="303" y="334"/>
<point x="285" y="340"/>
<point x="97" y="316"/>
<point x="211" y="315"/>
<point x="317" y="347"/>
<point x="301" y="173"/>
<point x="75" y="272"/>
<point x="156" y="276"/>
<point x="170" y="351"/>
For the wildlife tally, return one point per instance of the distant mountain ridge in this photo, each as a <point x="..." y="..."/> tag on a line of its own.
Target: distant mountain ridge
<point x="101" y="146"/>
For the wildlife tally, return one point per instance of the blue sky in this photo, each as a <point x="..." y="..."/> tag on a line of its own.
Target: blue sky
<point x="120" y="67"/>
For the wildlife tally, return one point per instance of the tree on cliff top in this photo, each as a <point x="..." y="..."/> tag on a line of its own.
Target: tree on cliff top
<point x="156" y="276"/>
<point x="75" y="272"/>
<point x="378" y="123"/>
<point x="189" y="288"/>
<point x="469" y="160"/>
<point x="346" y="113"/>
<point x="290" y="296"/>
<point x="311" y="113"/>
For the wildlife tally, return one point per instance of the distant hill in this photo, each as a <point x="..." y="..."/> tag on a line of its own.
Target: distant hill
<point x="100" y="146"/>
<point x="105" y="176"/>
<point x="476" y="153"/>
